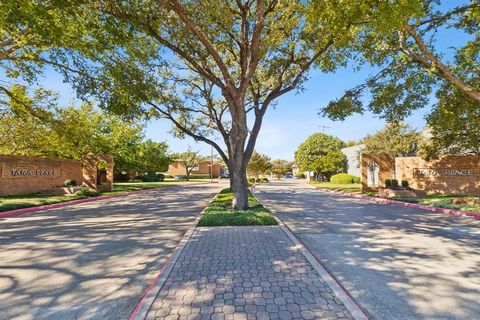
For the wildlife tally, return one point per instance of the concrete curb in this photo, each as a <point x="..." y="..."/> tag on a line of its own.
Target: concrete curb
<point x="452" y="212"/>
<point x="350" y="304"/>
<point x="140" y="312"/>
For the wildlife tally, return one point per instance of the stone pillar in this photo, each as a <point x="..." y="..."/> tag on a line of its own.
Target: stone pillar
<point x="386" y="167"/>
<point x="90" y="172"/>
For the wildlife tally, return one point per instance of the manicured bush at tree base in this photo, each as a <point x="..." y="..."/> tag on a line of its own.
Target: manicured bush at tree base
<point x="251" y="180"/>
<point x="388" y="183"/>
<point x="258" y="180"/>
<point x="219" y="212"/>
<point x="394" y="183"/>
<point x="70" y="183"/>
<point x="88" y="193"/>
<point x="342" y="178"/>
<point x="265" y="180"/>
<point x="356" y="179"/>
<point x="405" y="183"/>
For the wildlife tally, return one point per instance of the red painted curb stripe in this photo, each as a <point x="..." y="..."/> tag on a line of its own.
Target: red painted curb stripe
<point x="452" y="212"/>
<point x="152" y="284"/>
<point x="71" y="203"/>
<point x="304" y="250"/>
<point x="186" y="237"/>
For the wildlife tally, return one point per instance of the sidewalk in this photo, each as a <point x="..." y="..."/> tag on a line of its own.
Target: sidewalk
<point x="244" y="273"/>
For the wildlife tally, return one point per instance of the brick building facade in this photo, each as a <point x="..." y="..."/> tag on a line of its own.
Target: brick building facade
<point x="177" y="168"/>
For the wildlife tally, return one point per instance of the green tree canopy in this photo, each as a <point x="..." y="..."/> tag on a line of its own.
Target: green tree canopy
<point x="395" y="138"/>
<point x="259" y="164"/>
<point x="321" y="153"/>
<point x="35" y="35"/>
<point x="454" y="125"/>
<point x="405" y="40"/>
<point x="152" y="156"/>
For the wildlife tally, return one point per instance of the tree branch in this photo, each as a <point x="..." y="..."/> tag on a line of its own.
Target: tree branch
<point x="441" y="69"/>
<point x="196" y="137"/>
<point x="202" y="37"/>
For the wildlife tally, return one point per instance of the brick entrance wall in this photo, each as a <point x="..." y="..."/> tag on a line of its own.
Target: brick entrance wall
<point x="25" y="175"/>
<point x="449" y="175"/>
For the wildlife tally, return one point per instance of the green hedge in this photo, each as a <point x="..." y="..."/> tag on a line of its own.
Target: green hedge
<point x="88" y="193"/>
<point x="344" y="178"/>
<point x="152" y="177"/>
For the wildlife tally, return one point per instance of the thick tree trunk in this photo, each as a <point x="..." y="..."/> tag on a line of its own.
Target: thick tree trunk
<point x="238" y="159"/>
<point x="238" y="181"/>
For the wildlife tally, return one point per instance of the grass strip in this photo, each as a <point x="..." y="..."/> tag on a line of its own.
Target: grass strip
<point x="350" y="187"/>
<point x="442" y="201"/>
<point x="220" y="213"/>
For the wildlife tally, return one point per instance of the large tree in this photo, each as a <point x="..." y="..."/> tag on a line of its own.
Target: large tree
<point x="152" y="156"/>
<point x="212" y="68"/>
<point x="321" y="154"/>
<point x="258" y="164"/>
<point x="395" y="138"/>
<point x="415" y="45"/>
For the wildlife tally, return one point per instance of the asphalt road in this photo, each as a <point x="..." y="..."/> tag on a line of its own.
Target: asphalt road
<point x="397" y="262"/>
<point x="94" y="260"/>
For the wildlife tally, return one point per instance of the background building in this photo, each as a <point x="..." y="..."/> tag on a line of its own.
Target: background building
<point x="352" y="155"/>
<point x="177" y="168"/>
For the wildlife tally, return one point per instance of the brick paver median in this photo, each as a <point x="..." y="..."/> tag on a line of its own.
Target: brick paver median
<point x="244" y="273"/>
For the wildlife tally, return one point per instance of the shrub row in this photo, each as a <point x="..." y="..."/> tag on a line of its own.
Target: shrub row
<point x="88" y="193"/>
<point x="152" y="177"/>
<point x="393" y="183"/>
